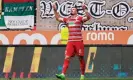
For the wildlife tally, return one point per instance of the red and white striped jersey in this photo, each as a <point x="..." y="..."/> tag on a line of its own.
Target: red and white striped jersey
<point x="74" y="26"/>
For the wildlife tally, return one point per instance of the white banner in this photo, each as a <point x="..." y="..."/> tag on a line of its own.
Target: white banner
<point x="106" y="14"/>
<point x="19" y="22"/>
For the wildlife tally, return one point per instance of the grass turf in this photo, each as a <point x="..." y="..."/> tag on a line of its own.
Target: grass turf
<point x="70" y="79"/>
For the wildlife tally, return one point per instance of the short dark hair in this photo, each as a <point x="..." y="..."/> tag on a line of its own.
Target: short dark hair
<point x="74" y="6"/>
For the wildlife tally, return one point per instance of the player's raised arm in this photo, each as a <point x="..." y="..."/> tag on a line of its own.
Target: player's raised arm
<point x="87" y="15"/>
<point x="57" y="16"/>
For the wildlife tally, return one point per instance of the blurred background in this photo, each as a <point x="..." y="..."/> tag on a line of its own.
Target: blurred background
<point x="32" y="42"/>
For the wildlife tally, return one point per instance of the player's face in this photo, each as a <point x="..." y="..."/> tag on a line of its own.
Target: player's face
<point x="73" y="11"/>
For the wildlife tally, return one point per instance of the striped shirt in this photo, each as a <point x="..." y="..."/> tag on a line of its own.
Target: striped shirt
<point x="74" y="27"/>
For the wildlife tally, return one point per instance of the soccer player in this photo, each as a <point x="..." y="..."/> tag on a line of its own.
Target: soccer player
<point x="75" y="44"/>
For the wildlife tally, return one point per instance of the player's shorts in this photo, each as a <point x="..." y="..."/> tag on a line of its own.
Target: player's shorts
<point x="74" y="48"/>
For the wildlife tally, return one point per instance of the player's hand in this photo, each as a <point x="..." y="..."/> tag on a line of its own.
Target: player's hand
<point x="84" y="7"/>
<point x="54" y="6"/>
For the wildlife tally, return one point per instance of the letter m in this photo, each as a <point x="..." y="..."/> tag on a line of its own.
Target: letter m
<point x="29" y="38"/>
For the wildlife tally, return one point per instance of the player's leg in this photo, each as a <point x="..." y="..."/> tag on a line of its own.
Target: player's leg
<point x="68" y="54"/>
<point x="65" y="67"/>
<point x="80" y="53"/>
<point x="82" y="67"/>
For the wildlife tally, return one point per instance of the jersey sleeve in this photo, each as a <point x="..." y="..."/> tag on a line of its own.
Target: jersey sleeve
<point x="65" y="20"/>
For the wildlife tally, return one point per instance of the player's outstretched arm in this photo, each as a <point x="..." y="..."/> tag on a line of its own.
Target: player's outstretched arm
<point x="57" y="16"/>
<point x="87" y="15"/>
